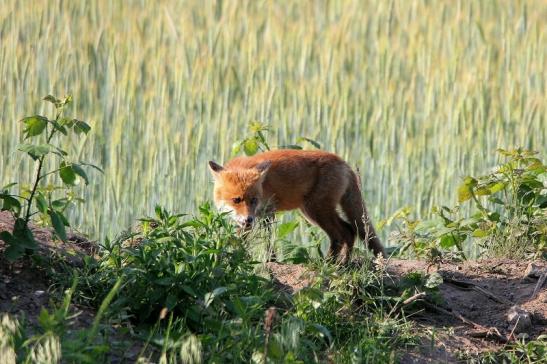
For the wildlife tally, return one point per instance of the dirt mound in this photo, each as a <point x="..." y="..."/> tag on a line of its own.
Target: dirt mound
<point x="24" y="287"/>
<point x="476" y="299"/>
<point x="289" y="278"/>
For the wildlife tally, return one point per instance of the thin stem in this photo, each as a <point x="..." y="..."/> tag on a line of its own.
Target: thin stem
<point x="37" y="176"/>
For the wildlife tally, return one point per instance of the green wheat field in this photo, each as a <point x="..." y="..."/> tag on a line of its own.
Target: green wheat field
<point x="415" y="94"/>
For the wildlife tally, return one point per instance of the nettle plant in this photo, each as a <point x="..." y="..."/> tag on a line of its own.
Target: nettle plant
<point x="47" y="200"/>
<point x="257" y="142"/>
<point x="508" y="214"/>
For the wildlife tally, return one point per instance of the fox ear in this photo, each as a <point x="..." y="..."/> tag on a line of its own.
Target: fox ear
<point x="263" y="167"/>
<point x="215" y="168"/>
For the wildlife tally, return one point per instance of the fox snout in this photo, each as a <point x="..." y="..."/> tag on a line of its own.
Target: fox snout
<point x="245" y="222"/>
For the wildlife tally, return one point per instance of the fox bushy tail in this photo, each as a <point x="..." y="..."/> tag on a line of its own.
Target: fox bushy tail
<point x="354" y="207"/>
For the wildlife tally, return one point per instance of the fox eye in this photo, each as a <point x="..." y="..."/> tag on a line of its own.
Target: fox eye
<point x="254" y="200"/>
<point x="236" y="200"/>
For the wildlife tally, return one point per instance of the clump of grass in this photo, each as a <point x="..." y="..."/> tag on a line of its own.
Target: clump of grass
<point x="54" y="340"/>
<point x="521" y="351"/>
<point x="507" y="216"/>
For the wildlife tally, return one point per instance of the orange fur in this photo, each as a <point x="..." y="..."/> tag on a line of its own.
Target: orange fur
<point x="316" y="182"/>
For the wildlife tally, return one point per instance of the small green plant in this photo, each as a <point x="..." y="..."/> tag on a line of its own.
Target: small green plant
<point x="54" y="340"/>
<point x="417" y="282"/>
<point x="39" y="197"/>
<point x="520" y="351"/>
<point x="509" y="219"/>
<point x="257" y="142"/>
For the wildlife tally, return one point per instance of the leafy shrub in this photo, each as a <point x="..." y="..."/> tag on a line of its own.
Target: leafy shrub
<point x="198" y="269"/>
<point x="509" y="219"/>
<point x="521" y="351"/>
<point x="38" y="198"/>
<point x="257" y="141"/>
<point x="196" y="294"/>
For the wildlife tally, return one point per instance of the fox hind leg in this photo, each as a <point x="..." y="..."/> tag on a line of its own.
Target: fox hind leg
<point x="340" y="233"/>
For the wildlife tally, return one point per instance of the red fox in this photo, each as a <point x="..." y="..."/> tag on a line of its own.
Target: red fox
<point x="316" y="182"/>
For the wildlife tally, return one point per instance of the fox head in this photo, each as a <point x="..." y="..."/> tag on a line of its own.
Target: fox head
<point x="239" y="191"/>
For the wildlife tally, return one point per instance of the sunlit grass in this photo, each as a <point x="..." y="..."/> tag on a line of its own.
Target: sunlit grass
<point x="414" y="93"/>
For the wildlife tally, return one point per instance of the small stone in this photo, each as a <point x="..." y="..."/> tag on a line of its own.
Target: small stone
<point x="519" y="318"/>
<point x="533" y="271"/>
<point x="39" y="293"/>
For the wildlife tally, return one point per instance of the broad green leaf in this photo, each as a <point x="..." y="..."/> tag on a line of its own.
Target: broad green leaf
<point x="41" y="203"/>
<point x="496" y="187"/>
<point x="35" y="125"/>
<point x="59" y="205"/>
<point x="470" y="181"/>
<point x="14" y="252"/>
<point x="80" y="172"/>
<point x="483" y="191"/>
<point x="22" y="235"/>
<point x="479" y="233"/>
<point x="67" y="174"/>
<point x="250" y="147"/>
<point x="80" y="126"/>
<point x="171" y="301"/>
<point x="286" y="228"/>
<point x="10" y="203"/>
<point x="35" y="151"/>
<point x="189" y="290"/>
<point x="464" y="193"/>
<point x="58" y="225"/>
<point x="494" y="216"/>
<point x="447" y="241"/>
<point x="58" y="127"/>
<point x="296" y="254"/>
<point x="5" y="236"/>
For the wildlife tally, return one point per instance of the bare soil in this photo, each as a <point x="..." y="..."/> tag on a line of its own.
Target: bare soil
<point x="481" y="292"/>
<point x="24" y="287"/>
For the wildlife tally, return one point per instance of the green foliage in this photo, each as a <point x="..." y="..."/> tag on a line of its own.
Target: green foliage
<point x="54" y="339"/>
<point x="416" y="282"/>
<point x="194" y="292"/>
<point x="40" y="198"/>
<point x="257" y="142"/>
<point x="509" y="216"/>
<point x="198" y="269"/>
<point x="521" y="351"/>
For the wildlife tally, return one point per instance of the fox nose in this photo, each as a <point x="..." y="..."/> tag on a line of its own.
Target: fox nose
<point x="249" y="220"/>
